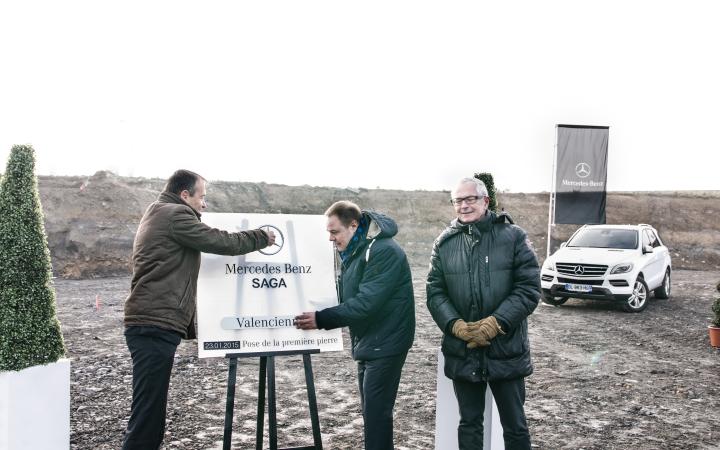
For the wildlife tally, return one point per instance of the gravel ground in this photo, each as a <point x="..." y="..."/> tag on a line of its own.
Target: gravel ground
<point x="604" y="379"/>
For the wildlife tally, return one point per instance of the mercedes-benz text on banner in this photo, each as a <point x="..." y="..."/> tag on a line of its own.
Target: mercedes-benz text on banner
<point x="247" y="304"/>
<point x="581" y="177"/>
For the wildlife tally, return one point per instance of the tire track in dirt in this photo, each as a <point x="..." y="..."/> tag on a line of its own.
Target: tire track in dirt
<point x="627" y="375"/>
<point x="604" y="379"/>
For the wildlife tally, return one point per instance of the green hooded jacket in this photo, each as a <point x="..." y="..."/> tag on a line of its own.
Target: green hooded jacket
<point x="376" y="294"/>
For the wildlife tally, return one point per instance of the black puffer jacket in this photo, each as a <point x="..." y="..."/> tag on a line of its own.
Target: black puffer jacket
<point x="477" y="270"/>
<point x="376" y="294"/>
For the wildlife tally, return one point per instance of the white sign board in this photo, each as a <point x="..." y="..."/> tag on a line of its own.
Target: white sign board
<point x="247" y="303"/>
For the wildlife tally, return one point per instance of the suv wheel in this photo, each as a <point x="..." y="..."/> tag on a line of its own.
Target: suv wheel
<point x="664" y="290"/>
<point x="551" y="300"/>
<point x="638" y="299"/>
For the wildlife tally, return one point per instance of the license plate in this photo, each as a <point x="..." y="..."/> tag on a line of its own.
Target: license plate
<point x="578" y="287"/>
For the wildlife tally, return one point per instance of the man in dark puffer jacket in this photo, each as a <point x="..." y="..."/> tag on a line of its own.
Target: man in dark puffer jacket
<point x="377" y="303"/>
<point x="484" y="281"/>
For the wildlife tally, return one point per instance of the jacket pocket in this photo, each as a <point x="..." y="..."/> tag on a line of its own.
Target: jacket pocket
<point x="511" y="368"/>
<point x="187" y="294"/>
<point x="452" y="346"/>
<point x="510" y="345"/>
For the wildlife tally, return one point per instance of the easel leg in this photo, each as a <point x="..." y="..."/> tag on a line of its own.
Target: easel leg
<point x="260" y="427"/>
<point x="272" y="410"/>
<point x="266" y="388"/>
<point x="314" y="419"/>
<point x="230" y="403"/>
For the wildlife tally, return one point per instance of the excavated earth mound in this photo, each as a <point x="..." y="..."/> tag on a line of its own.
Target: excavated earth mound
<point x="91" y="221"/>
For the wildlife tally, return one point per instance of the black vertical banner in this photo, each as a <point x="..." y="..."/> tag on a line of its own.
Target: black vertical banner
<point x="581" y="174"/>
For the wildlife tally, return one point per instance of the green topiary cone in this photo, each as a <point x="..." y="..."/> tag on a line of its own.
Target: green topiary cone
<point x="29" y="329"/>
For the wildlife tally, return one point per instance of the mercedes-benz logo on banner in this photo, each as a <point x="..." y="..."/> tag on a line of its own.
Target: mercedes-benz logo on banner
<point x="579" y="270"/>
<point x="279" y="240"/>
<point x="582" y="170"/>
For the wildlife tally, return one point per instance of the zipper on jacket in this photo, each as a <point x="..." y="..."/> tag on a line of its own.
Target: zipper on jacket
<point x="490" y="244"/>
<point x="475" y="288"/>
<point x="487" y="267"/>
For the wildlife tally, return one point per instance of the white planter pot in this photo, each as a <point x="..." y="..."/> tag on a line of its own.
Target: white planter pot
<point x="35" y="408"/>
<point x="447" y="416"/>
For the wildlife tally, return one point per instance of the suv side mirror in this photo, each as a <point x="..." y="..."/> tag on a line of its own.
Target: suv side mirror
<point x="647" y="249"/>
<point x="563" y="244"/>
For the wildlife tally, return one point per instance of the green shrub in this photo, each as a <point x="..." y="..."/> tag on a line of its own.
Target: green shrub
<point x="487" y="178"/>
<point x="716" y="309"/>
<point x="29" y="330"/>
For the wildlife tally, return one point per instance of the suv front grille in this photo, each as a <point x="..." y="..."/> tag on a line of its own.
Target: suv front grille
<point x="581" y="270"/>
<point x="583" y="281"/>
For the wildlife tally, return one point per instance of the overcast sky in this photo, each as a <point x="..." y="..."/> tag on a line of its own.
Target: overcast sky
<point x="391" y="94"/>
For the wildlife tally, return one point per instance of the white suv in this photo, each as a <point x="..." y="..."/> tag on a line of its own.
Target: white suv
<point x="608" y="262"/>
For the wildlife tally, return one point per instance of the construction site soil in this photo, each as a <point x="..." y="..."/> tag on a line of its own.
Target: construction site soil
<point x="603" y="379"/>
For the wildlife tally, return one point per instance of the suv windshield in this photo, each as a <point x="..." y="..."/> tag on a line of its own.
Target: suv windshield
<point x="605" y="238"/>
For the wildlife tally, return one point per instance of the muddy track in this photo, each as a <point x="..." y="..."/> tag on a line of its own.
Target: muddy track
<point x="639" y="380"/>
<point x="604" y="379"/>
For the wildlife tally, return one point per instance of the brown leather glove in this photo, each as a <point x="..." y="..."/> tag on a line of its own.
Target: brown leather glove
<point x="460" y="330"/>
<point x="483" y="331"/>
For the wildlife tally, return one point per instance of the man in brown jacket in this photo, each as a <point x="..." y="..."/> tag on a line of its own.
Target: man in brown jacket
<point x="160" y="310"/>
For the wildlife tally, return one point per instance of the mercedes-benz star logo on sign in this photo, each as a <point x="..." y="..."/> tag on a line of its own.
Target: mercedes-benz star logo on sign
<point x="579" y="270"/>
<point x="582" y="170"/>
<point x="279" y="240"/>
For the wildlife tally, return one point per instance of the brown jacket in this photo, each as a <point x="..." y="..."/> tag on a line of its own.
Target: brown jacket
<point x="166" y="263"/>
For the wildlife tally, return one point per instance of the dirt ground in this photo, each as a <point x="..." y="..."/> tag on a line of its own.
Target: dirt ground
<point x="604" y="379"/>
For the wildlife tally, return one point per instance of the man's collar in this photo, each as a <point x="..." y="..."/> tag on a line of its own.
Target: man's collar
<point x="481" y="226"/>
<point x="171" y="197"/>
<point x="484" y="221"/>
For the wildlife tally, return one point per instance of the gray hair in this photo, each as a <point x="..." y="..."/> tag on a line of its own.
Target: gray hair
<point x="480" y="187"/>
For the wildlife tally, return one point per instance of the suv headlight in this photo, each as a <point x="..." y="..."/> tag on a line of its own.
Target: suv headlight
<point x="622" y="268"/>
<point x="549" y="265"/>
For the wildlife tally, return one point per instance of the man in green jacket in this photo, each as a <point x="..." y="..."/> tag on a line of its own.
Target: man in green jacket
<point x="160" y="310"/>
<point x="377" y="303"/>
<point x="484" y="281"/>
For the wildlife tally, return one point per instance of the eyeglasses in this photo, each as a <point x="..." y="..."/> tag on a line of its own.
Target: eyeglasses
<point x="469" y="200"/>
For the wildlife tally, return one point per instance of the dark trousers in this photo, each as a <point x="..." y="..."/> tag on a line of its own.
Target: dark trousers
<point x="509" y="396"/>
<point x="152" y="350"/>
<point x="379" y="380"/>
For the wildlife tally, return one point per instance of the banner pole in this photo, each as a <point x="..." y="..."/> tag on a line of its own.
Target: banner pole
<point x="551" y="205"/>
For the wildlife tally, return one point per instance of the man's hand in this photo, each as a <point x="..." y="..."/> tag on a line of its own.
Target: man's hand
<point x="478" y="341"/>
<point x="483" y="331"/>
<point x="460" y="330"/>
<point x="306" y="321"/>
<point x="271" y="237"/>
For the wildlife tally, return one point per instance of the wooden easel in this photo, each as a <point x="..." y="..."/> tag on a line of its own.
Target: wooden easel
<point x="267" y="373"/>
